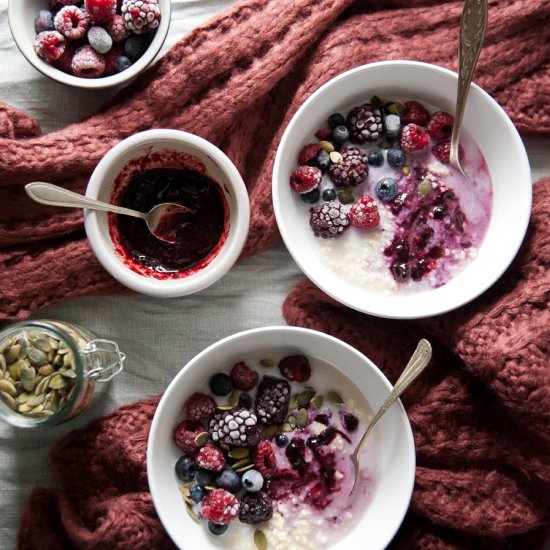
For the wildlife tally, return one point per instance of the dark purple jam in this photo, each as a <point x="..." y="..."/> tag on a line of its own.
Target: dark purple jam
<point x="197" y="232"/>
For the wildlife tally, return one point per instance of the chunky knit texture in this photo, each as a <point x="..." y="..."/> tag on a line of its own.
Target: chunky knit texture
<point x="480" y="414"/>
<point x="237" y="81"/>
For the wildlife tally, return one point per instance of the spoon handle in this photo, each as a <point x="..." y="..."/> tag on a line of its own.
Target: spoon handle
<point x="53" y="195"/>
<point x="473" y="24"/>
<point x="417" y="363"/>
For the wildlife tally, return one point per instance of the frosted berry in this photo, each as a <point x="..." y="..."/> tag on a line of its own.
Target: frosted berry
<point x="64" y="62"/>
<point x="414" y="138"/>
<point x="116" y="27"/>
<point x="217" y="529"/>
<point x="336" y="119"/>
<point x="272" y="400"/>
<point x="220" y="384"/>
<point x="328" y="220"/>
<point x="245" y="400"/>
<point x="305" y="178"/>
<point x="396" y="157"/>
<point x="375" y="157"/>
<point x="237" y="427"/>
<point x="200" y="406"/>
<point x="135" y="46"/>
<point x="87" y="63"/>
<point x="264" y="459"/>
<point x="185" y="468"/>
<point x="340" y="134"/>
<point x="100" y="40"/>
<point x="323" y="160"/>
<point x="72" y="22"/>
<point x="312" y="197"/>
<point x="295" y="368"/>
<point x="365" y="123"/>
<point x="185" y="434"/>
<point x="220" y="507"/>
<point x="255" y="509"/>
<point x="141" y="15"/>
<point x="243" y="377"/>
<point x="43" y="21"/>
<point x="442" y="151"/>
<point x="228" y="479"/>
<point x="252" y="481"/>
<point x="308" y="154"/>
<point x="364" y="213"/>
<point x="352" y="170"/>
<point x="49" y="45"/>
<point x="100" y="11"/>
<point x="210" y="458"/>
<point x="393" y="126"/>
<point x="323" y="133"/>
<point x="386" y="189"/>
<point x="111" y="58"/>
<point x="416" y="113"/>
<point x="441" y="125"/>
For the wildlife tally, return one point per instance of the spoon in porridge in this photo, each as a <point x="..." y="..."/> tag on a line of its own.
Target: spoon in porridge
<point x="417" y="363"/>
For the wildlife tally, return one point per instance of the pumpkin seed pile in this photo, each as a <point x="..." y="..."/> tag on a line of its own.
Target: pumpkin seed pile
<point x="37" y="374"/>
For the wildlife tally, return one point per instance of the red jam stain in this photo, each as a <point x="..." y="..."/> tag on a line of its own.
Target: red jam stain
<point x="199" y="232"/>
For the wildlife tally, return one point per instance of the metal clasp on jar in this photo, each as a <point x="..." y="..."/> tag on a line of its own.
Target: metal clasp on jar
<point x="104" y="359"/>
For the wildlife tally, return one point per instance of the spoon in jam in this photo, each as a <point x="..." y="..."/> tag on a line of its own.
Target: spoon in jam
<point x="162" y="220"/>
<point x="417" y="363"/>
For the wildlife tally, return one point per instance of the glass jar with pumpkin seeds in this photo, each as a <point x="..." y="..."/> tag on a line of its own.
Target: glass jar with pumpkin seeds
<point x="49" y="371"/>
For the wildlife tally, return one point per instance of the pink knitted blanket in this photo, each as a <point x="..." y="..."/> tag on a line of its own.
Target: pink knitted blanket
<point x="480" y="417"/>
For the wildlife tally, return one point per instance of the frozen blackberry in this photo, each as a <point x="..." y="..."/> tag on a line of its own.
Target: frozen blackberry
<point x="237" y="427"/>
<point x="364" y="123"/>
<point x="329" y="220"/>
<point x="272" y="399"/>
<point x="255" y="509"/>
<point x="352" y="170"/>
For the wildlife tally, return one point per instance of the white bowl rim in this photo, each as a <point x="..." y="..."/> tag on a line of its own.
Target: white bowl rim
<point x="157" y="420"/>
<point x="431" y="307"/>
<point x="225" y="258"/>
<point x="94" y="83"/>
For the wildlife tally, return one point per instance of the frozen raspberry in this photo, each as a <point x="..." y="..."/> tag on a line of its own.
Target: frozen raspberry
<point x="441" y="125"/>
<point x="255" y="509"/>
<point x="364" y="213"/>
<point x="305" y="179"/>
<point x="49" y="45"/>
<point x="272" y="400"/>
<point x="72" y="22"/>
<point x="264" y="458"/>
<point x="243" y="377"/>
<point x="364" y="123"/>
<point x="141" y="15"/>
<point x="200" y="406"/>
<point x="100" y="11"/>
<point x="352" y="170"/>
<point x="87" y="63"/>
<point x="210" y="458"/>
<point x="185" y="434"/>
<point x="65" y="2"/>
<point x="443" y="151"/>
<point x="116" y="27"/>
<point x="220" y="507"/>
<point x="308" y="154"/>
<point x="111" y="58"/>
<point x="414" y="138"/>
<point x="295" y="368"/>
<point x="328" y="220"/>
<point x="416" y="113"/>
<point x="64" y="62"/>
<point x="323" y="133"/>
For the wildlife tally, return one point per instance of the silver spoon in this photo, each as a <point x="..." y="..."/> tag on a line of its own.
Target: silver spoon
<point x="158" y="219"/>
<point x="417" y="363"/>
<point x="473" y="24"/>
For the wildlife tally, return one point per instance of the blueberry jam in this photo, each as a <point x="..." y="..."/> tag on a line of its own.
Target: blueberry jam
<point x="197" y="232"/>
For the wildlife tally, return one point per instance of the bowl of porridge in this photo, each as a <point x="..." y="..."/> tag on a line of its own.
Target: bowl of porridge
<point x="369" y="206"/>
<point x="251" y="444"/>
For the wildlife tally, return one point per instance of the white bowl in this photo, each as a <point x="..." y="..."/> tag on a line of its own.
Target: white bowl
<point x="218" y="167"/>
<point x="494" y="134"/>
<point x="21" y="14"/>
<point x="392" y="438"/>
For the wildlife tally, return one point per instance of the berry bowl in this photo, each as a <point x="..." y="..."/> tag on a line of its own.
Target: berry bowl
<point x="250" y="447"/>
<point x="84" y="50"/>
<point x="369" y="206"/>
<point x="168" y="166"/>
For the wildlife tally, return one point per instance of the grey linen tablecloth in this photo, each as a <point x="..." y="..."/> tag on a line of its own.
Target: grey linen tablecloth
<point x="158" y="336"/>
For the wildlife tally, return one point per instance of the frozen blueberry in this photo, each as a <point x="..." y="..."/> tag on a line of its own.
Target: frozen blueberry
<point x="329" y="194"/>
<point x="336" y="119"/>
<point x="196" y="492"/>
<point x="204" y="477"/>
<point x="228" y="479"/>
<point x="245" y="400"/>
<point x="100" y="40"/>
<point x="217" y="528"/>
<point x="281" y="440"/>
<point x="393" y="126"/>
<point x="253" y="481"/>
<point x="396" y="157"/>
<point x="340" y="134"/>
<point x="376" y="157"/>
<point x="311" y="197"/>
<point x="135" y="46"/>
<point x="43" y="21"/>
<point x="220" y="384"/>
<point x="122" y="63"/>
<point x="386" y="189"/>
<point x="323" y="159"/>
<point x="186" y="468"/>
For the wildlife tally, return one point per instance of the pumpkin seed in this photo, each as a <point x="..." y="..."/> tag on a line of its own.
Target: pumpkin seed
<point x="23" y="408"/>
<point x="58" y="382"/>
<point x="63" y="351"/>
<point x="292" y="404"/>
<point x="191" y="511"/>
<point x="3" y="363"/>
<point x="260" y="540"/>
<point x="202" y="439"/>
<point x="12" y="353"/>
<point x="37" y="409"/>
<point x="47" y="412"/>
<point x="317" y="401"/>
<point x="268" y="363"/>
<point x="224" y="447"/>
<point x="397" y="108"/>
<point x="8" y="400"/>
<point x="23" y="397"/>
<point x="15" y="368"/>
<point x="210" y="488"/>
<point x="241" y="463"/>
<point x="184" y="489"/>
<point x="302" y="418"/>
<point x="240" y="452"/>
<point x="243" y="469"/>
<point x="54" y="344"/>
<point x="1" y="374"/>
<point x="334" y="397"/>
<point x="36" y="357"/>
<point x="68" y="360"/>
<point x="234" y="398"/>
<point x="7" y="387"/>
<point x="224" y="407"/>
<point x="53" y="404"/>
<point x="35" y="400"/>
<point x="304" y="397"/>
<point x="270" y="431"/>
<point x="43" y="344"/>
<point x="42" y="385"/>
<point x="28" y="378"/>
<point x="285" y="427"/>
<point x="58" y="361"/>
<point x="46" y="370"/>
<point x="67" y="372"/>
<point x="292" y="421"/>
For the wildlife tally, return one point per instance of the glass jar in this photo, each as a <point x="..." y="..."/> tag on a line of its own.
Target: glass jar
<point x="49" y="371"/>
